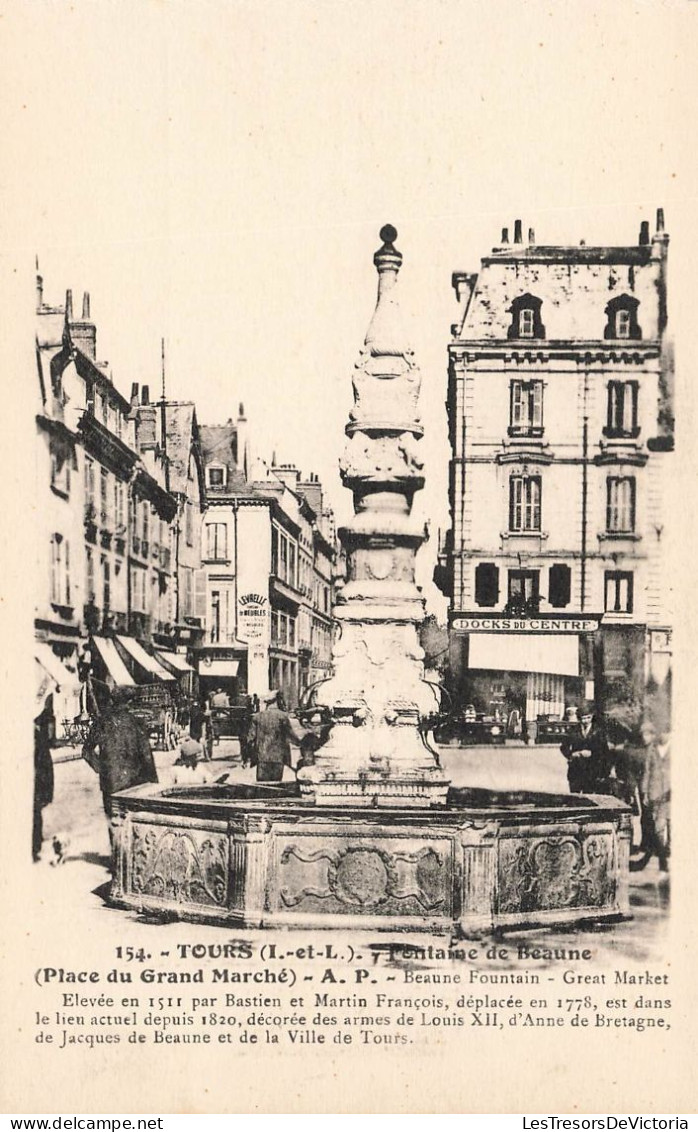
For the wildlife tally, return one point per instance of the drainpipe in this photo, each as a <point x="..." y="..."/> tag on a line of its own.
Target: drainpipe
<point x="585" y="491"/>
<point x="235" y="566"/>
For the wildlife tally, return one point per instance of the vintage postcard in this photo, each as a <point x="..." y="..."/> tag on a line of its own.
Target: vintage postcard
<point x="347" y="565"/>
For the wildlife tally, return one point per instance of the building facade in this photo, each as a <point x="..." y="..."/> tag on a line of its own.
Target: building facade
<point x="561" y="433"/>
<point x="268" y="557"/>
<point x="108" y="560"/>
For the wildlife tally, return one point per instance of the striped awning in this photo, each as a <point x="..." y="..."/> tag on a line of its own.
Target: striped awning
<point x="113" y="663"/>
<point x="174" y="661"/>
<point x="53" y="665"/>
<point x="136" y="651"/>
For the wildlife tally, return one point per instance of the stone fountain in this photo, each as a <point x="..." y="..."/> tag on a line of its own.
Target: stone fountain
<point x="372" y="835"/>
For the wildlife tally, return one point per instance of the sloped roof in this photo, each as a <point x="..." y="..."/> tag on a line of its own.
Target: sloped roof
<point x="218" y="444"/>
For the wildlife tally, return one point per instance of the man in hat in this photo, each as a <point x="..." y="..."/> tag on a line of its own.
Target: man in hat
<point x="589" y="760"/>
<point x="125" y="758"/>
<point x="269" y="739"/>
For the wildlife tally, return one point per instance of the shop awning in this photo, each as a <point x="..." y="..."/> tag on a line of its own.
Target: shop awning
<point x="146" y="661"/>
<point x="113" y="663"/>
<point x="52" y="664"/>
<point x="557" y="653"/>
<point x="218" y="667"/>
<point x="174" y="661"/>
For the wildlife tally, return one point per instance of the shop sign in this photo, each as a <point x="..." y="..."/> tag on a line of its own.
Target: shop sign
<point x="253" y="615"/>
<point x="525" y="624"/>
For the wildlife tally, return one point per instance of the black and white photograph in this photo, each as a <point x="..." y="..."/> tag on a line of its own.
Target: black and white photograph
<point x="348" y="591"/>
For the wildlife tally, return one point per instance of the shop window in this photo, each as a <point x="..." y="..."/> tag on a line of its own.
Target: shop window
<point x="620" y="504"/>
<point x="526" y="408"/>
<point x="622" y="409"/>
<point x="618" y="591"/>
<point x="524" y="503"/>
<point x="217" y="541"/>
<point x="526" y="319"/>
<point x="559" y="585"/>
<point x="486" y="584"/>
<point x="524" y="591"/>
<point x="621" y="318"/>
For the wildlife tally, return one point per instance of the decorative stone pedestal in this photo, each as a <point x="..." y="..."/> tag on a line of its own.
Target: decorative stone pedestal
<point x="483" y="862"/>
<point x="376" y="754"/>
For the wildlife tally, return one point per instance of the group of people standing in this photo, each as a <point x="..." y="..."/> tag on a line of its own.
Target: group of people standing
<point x="641" y="773"/>
<point x="118" y="749"/>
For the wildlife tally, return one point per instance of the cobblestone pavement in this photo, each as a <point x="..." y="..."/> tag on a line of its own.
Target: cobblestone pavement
<point x="77" y="818"/>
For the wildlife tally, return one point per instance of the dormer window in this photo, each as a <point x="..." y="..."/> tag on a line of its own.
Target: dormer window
<point x="621" y="318"/>
<point x="216" y="475"/>
<point x="526" y="319"/>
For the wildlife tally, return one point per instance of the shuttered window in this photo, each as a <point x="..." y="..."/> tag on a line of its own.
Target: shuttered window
<point x="486" y="584"/>
<point x="524" y="503"/>
<point x="526" y="416"/>
<point x="620" y="504"/>
<point x="622" y="408"/>
<point x="559" y="585"/>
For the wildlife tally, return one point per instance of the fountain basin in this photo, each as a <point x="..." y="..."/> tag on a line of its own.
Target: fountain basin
<point x="259" y="856"/>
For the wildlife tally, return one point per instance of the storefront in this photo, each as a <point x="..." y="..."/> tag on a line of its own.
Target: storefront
<point x="535" y="667"/>
<point x="223" y="669"/>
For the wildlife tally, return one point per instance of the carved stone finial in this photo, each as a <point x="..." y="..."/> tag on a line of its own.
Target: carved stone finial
<point x="388" y="258"/>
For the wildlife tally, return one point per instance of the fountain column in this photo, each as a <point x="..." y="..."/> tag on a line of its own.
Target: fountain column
<point x="376" y="754"/>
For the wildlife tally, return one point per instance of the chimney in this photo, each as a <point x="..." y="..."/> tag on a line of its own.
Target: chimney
<point x="311" y="491"/>
<point x="39" y="288"/>
<point x="134" y="393"/>
<point x="505" y="235"/>
<point x="518" y="239"/>
<point x="660" y="220"/>
<point x="243" y="458"/>
<point x="531" y="236"/>
<point x="145" y="395"/>
<point x="69" y="306"/>
<point x="288" y="475"/>
<point x="644" y="233"/>
<point x="84" y="331"/>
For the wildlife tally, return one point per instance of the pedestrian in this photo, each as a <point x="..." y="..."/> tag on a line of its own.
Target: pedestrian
<point x="189" y="770"/>
<point x="589" y="760"/>
<point x="655" y="794"/>
<point x="196" y="721"/>
<point x="317" y="733"/>
<point x="207" y="731"/>
<point x="270" y="737"/>
<point x="220" y="699"/>
<point x="245" y="725"/>
<point x="44" y="731"/>
<point x="125" y="758"/>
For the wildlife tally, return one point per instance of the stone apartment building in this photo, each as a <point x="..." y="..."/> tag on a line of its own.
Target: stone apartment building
<point x="268" y="553"/>
<point x="561" y="433"/>
<point x="108" y="561"/>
